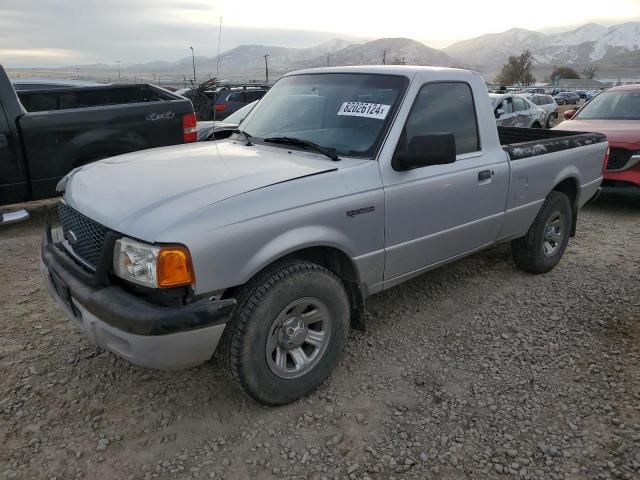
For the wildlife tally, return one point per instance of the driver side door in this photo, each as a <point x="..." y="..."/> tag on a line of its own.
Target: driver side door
<point x="439" y="211"/>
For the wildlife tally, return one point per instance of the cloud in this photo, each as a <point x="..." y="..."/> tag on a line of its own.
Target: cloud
<point x="93" y="31"/>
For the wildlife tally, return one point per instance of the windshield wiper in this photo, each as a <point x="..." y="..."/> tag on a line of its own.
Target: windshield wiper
<point x="299" y="142"/>
<point x="246" y="136"/>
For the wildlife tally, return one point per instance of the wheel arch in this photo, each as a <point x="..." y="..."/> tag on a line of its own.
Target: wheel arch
<point x="570" y="187"/>
<point x="337" y="261"/>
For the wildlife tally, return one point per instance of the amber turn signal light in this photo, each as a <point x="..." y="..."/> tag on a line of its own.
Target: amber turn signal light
<point x="174" y="267"/>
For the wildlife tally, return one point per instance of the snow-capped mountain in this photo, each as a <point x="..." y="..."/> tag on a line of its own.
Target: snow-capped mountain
<point x="491" y="50"/>
<point x="618" y="39"/>
<point x="583" y="45"/>
<point x="394" y="50"/>
<point x="590" y="32"/>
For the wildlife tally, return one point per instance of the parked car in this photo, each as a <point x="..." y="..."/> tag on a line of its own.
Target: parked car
<point x="581" y="93"/>
<point x="513" y="110"/>
<point x="233" y="99"/>
<point x="615" y="113"/>
<point x="548" y="104"/>
<point x="44" y="134"/>
<point x="567" y="98"/>
<point x="211" y="130"/>
<point x="342" y="183"/>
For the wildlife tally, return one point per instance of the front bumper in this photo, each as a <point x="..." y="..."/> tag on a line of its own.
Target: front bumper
<point x="141" y="332"/>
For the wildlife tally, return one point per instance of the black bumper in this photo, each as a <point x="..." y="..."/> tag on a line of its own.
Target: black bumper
<point x="124" y="311"/>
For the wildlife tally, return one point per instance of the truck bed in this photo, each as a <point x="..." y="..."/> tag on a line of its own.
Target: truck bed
<point x="522" y="143"/>
<point x="84" y="97"/>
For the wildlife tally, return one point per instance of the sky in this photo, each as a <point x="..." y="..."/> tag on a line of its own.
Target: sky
<point x="49" y="33"/>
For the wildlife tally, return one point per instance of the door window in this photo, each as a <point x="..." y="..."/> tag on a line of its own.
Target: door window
<point x="444" y="108"/>
<point x="519" y="104"/>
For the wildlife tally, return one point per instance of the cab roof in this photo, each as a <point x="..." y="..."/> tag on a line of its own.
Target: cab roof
<point x="408" y="70"/>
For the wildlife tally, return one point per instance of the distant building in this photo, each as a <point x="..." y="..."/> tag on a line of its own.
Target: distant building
<point x="580" y="84"/>
<point x="614" y="82"/>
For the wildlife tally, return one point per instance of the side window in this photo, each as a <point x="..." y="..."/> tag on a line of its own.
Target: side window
<point x="235" y="97"/>
<point x="253" y="95"/>
<point x="506" y="105"/>
<point x="519" y="104"/>
<point x="444" y="108"/>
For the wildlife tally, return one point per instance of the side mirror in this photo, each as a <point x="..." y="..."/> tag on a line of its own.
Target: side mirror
<point x="499" y="112"/>
<point x="425" y="150"/>
<point x="569" y="114"/>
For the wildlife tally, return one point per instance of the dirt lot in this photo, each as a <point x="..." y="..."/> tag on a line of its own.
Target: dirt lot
<point x="476" y="370"/>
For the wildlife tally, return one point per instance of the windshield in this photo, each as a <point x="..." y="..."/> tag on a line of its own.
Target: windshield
<point x="348" y="113"/>
<point x="613" y="105"/>
<point x="240" y="115"/>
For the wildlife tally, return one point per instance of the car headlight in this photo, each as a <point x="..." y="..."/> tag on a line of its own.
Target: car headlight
<point x="151" y="265"/>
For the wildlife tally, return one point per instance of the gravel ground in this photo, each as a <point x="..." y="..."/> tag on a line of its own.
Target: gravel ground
<point x="475" y="370"/>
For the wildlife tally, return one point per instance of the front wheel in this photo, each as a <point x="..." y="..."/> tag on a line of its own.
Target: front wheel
<point x="540" y="250"/>
<point x="287" y="333"/>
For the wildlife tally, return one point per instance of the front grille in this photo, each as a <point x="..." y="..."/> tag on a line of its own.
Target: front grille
<point x="88" y="235"/>
<point x="618" y="158"/>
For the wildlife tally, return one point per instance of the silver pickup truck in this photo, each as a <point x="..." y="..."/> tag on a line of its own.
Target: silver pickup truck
<point x="341" y="183"/>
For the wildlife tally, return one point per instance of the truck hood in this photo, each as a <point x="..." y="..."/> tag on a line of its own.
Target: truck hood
<point x="119" y="192"/>
<point x="620" y="133"/>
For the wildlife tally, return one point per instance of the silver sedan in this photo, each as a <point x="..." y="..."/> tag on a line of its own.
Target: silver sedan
<point x="513" y="110"/>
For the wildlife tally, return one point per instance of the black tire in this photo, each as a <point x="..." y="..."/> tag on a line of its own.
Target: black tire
<point x="554" y="117"/>
<point x="530" y="252"/>
<point x="536" y="125"/>
<point x="243" y="347"/>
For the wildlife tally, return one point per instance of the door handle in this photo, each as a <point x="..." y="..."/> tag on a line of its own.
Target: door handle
<point x="484" y="175"/>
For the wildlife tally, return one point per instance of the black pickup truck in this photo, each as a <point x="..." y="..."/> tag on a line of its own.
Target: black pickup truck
<point x="45" y="133"/>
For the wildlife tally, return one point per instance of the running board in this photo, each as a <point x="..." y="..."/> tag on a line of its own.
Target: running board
<point x="13" y="217"/>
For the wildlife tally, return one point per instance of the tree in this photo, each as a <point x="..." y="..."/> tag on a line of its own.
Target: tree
<point x="517" y="70"/>
<point x="589" y="72"/>
<point x="564" y="72"/>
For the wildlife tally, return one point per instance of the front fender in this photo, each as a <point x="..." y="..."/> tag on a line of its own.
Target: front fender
<point x="294" y="240"/>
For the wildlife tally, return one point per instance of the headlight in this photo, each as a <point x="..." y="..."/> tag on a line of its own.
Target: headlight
<point x="152" y="266"/>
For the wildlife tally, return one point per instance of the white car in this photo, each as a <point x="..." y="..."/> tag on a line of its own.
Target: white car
<point x="546" y="103"/>
<point x="512" y="110"/>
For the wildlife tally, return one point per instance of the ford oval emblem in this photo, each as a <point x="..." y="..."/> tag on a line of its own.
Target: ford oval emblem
<point x="71" y="237"/>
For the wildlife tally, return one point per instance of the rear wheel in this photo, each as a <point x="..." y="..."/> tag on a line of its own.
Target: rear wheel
<point x="544" y="244"/>
<point x="287" y="333"/>
<point x="551" y="121"/>
<point x="536" y="125"/>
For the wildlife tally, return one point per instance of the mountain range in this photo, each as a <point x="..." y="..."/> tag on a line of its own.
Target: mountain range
<point x="614" y="51"/>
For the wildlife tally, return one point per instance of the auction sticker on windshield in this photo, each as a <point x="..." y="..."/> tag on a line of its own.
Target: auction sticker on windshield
<point x="360" y="109"/>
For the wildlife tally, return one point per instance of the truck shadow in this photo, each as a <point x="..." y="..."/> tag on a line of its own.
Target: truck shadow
<point x="618" y="201"/>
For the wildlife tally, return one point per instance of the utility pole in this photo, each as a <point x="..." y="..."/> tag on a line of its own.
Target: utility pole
<point x="328" y="63"/>
<point x="78" y="73"/>
<point x="119" y="77"/>
<point x="266" y="67"/>
<point x="218" y="57"/>
<point x="404" y="60"/>
<point x="384" y="56"/>
<point x="193" y="60"/>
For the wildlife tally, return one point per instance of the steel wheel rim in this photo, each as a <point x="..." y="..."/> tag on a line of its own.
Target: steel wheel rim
<point x="553" y="235"/>
<point x="552" y="121"/>
<point x="298" y="338"/>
